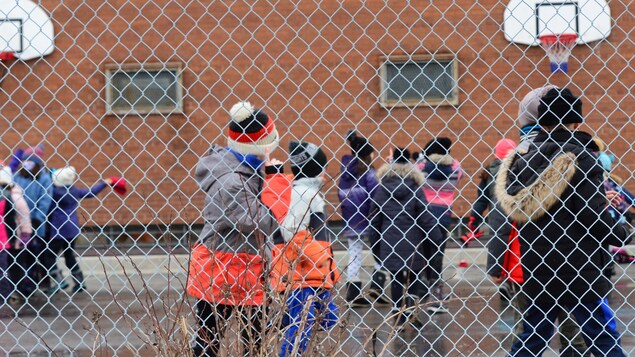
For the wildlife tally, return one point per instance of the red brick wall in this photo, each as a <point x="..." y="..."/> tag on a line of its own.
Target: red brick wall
<point x="315" y="69"/>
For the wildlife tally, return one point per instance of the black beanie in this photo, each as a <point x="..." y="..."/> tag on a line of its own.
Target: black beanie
<point x="400" y="156"/>
<point x="360" y="147"/>
<point x="439" y="146"/>
<point x="559" y="106"/>
<point x="307" y="160"/>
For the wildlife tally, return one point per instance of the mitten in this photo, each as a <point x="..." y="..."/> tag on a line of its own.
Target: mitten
<point x="473" y="234"/>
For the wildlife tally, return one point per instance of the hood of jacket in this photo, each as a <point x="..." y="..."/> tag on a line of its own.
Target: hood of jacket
<point x="440" y="159"/>
<point x="219" y="162"/>
<point x="400" y="179"/>
<point x="529" y="185"/>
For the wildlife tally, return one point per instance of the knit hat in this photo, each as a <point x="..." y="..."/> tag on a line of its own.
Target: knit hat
<point x="440" y="146"/>
<point x="307" y="160"/>
<point x="559" y="106"/>
<point x="64" y="177"/>
<point x="6" y="177"/>
<point x="31" y="156"/>
<point x="251" y="131"/>
<point x="528" y="108"/>
<point x="503" y="147"/>
<point x="37" y="150"/>
<point x="401" y="156"/>
<point x="360" y="146"/>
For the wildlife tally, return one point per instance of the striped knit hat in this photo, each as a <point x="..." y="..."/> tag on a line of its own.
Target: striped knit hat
<point x="251" y="131"/>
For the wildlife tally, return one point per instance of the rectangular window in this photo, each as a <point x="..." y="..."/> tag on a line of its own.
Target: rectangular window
<point x="409" y="81"/>
<point x="144" y="89"/>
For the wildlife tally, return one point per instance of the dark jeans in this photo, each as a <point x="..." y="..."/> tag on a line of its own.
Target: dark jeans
<point x="570" y="337"/>
<point x="67" y="249"/>
<point x="24" y="270"/>
<point x="214" y="318"/>
<point x="434" y="257"/>
<point x="6" y="288"/>
<point x="596" y="320"/>
<point x="402" y="282"/>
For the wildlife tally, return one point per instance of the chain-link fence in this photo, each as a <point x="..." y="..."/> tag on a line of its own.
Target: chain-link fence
<point x="371" y="249"/>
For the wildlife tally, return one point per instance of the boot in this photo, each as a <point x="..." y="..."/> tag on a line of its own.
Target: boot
<point x="78" y="277"/>
<point x="435" y="302"/>
<point x="376" y="292"/>
<point x="354" y="295"/>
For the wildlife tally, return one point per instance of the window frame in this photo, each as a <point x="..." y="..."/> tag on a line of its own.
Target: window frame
<point x="112" y="69"/>
<point x="402" y="59"/>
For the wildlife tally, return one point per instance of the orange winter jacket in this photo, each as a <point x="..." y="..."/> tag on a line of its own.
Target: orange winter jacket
<point x="302" y="253"/>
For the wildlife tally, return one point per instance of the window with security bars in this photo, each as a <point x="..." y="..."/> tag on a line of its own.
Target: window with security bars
<point x="419" y="80"/>
<point x="147" y="89"/>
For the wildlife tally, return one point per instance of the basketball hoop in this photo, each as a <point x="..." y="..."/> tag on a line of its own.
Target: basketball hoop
<point x="558" y="48"/>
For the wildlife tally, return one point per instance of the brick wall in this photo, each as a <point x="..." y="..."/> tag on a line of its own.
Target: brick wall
<point x="315" y="69"/>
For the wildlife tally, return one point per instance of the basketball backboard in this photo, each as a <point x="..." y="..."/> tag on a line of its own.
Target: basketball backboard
<point x="25" y="29"/>
<point x="525" y="20"/>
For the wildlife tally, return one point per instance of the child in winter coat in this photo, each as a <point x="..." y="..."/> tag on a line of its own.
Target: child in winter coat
<point x="227" y="263"/>
<point x="34" y="180"/>
<point x="15" y="227"/>
<point x="442" y="175"/>
<point x="303" y="264"/>
<point x="64" y="227"/>
<point x="401" y="224"/>
<point x="358" y="181"/>
<point x="485" y="199"/>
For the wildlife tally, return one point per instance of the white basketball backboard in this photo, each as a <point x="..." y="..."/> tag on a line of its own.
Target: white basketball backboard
<point x="25" y="29"/>
<point x="525" y="20"/>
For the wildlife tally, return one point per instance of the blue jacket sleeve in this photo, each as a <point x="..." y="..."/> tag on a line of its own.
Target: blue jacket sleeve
<point x="81" y="193"/>
<point x="43" y="204"/>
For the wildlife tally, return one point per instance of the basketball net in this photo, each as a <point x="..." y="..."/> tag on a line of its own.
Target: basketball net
<point x="4" y="69"/>
<point x="558" y="48"/>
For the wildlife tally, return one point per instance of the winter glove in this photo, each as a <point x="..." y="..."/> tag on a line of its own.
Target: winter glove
<point x="474" y="232"/>
<point x="621" y="255"/>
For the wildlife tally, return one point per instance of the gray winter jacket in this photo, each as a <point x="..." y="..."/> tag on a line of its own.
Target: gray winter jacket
<point x="236" y="221"/>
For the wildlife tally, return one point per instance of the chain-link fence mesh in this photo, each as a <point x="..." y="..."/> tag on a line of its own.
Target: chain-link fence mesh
<point x="139" y="97"/>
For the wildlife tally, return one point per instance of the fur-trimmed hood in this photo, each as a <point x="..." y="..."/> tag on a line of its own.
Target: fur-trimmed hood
<point x="441" y="159"/>
<point x="541" y="176"/>
<point x="533" y="200"/>
<point x="401" y="170"/>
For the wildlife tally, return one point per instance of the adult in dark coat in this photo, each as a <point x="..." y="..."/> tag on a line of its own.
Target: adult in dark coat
<point x="555" y="193"/>
<point x="401" y="223"/>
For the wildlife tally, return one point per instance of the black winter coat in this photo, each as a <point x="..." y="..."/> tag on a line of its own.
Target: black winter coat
<point x="401" y="220"/>
<point x="555" y="193"/>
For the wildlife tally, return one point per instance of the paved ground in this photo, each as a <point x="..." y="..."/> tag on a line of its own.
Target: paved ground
<point x="127" y="314"/>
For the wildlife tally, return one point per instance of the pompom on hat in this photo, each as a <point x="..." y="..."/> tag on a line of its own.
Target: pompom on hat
<point x="251" y="131"/>
<point x="65" y="176"/>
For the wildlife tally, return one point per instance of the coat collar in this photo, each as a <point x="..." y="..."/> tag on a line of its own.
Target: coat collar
<point x="401" y="170"/>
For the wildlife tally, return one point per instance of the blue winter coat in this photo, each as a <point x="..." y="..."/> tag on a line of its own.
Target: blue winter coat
<point x="63" y="219"/>
<point x="355" y="192"/>
<point x="38" y="196"/>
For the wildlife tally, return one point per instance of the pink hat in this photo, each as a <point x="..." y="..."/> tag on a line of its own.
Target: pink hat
<point x="503" y="148"/>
